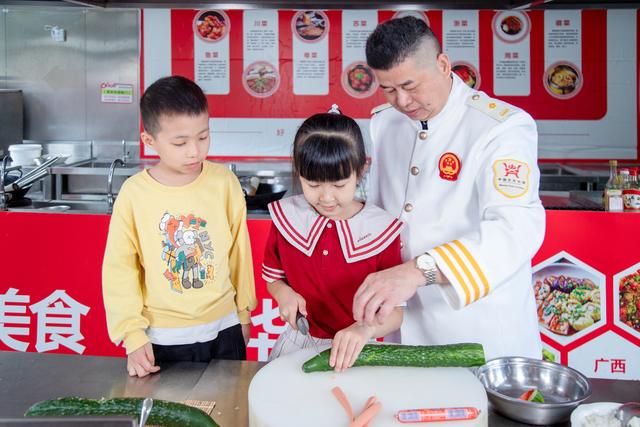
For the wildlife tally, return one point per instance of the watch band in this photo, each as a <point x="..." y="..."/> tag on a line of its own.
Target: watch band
<point x="427" y="265"/>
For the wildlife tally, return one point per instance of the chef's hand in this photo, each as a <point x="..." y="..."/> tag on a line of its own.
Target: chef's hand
<point x="141" y="362"/>
<point x="246" y="333"/>
<point x="289" y="302"/>
<point x="347" y="345"/>
<point x="382" y="291"/>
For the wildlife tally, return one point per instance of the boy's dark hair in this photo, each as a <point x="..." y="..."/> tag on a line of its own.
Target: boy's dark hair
<point x="395" y="40"/>
<point x="170" y="96"/>
<point x="328" y="147"/>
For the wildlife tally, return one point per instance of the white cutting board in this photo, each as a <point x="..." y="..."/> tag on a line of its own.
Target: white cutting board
<point x="282" y="395"/>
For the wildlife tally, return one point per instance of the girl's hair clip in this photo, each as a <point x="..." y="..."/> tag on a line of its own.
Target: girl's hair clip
<point x="334" y="109"/>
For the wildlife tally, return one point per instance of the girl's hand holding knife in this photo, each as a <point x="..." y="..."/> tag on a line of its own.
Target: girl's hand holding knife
<point x="289" y="302"/>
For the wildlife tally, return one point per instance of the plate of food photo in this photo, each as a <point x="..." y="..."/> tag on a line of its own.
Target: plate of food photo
<point x="415" y="13"/>
<point x="261" y="79"/>
<point x="310" y="25"/>
<point x="628" y="300"/>
<point x="358" y="80"/>
<point x="568" y="298"/>
<point x="211" y="25"/>
<point x="563" y="80"/>
<point x="511" y="26"/>
<point x="467" y="73"/>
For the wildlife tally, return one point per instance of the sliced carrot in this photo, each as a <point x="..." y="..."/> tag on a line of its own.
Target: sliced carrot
<point x="342" y="399"/>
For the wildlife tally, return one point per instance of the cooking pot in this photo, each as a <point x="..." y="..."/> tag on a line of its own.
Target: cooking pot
<point x="260" y="191"/>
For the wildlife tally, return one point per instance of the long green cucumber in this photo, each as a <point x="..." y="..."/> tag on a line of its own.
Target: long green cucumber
<point x="163" y="413"/>
<point x="421" y="356"/>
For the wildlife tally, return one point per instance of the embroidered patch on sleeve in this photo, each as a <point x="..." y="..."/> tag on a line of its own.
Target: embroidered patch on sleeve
<point x="511" y="177"/>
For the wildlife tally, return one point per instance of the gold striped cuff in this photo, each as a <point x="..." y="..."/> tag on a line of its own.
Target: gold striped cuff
<point x="466" y="276"/>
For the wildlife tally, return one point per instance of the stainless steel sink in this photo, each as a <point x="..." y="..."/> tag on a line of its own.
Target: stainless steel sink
<point x="101" y="167"/>
<point x="99" y="164"/>
<point x="70" y="206"/>
<point x="550" y="169"/>
<point x="89" y="178"/>
<point x="554" y="169"/>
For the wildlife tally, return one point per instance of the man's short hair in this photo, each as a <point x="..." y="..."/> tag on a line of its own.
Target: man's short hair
<point x="395" y="40"/>
<point x="171" y="96"/>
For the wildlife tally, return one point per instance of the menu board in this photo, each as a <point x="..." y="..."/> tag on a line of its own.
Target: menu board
<point x="264" y="71"/>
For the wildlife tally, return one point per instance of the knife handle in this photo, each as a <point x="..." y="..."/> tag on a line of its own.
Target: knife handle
<point x="302" y="323"/>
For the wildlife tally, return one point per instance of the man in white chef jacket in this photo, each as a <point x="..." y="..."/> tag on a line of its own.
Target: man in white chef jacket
<point x="460" y="169"/>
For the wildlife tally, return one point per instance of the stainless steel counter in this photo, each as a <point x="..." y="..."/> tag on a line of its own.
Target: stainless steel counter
<point x="80" y="187"/>
<point x="26" y="378"/>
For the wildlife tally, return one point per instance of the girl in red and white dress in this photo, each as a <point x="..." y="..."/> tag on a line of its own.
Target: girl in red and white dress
<point x="324" y="242"/>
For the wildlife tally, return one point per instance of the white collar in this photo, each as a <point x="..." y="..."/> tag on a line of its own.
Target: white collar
<point x="362" y="236"/>
<point x="459" y="89"/>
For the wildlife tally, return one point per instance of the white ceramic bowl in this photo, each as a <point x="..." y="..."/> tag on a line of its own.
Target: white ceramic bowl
<point x="24" y="154"/>
<point x="580" y="414"/>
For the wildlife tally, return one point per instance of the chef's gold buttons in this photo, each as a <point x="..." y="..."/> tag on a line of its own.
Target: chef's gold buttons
<point x="422" y="135"/>
<point x="415" y="170"/>
<point x="325" y="252"/>
<point x="408" y="207"/>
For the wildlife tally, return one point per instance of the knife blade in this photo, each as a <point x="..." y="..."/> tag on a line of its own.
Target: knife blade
<point x="303" y="326"/>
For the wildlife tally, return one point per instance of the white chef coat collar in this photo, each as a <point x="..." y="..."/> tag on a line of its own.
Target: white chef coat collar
<point x="458" y="88"/>
<point x="364" y="235"/>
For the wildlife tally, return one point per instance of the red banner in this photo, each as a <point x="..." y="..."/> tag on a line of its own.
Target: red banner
<point x="51" y="297"/>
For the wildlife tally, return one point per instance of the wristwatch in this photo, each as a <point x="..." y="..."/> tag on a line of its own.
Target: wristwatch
<point x="427" y="265"/>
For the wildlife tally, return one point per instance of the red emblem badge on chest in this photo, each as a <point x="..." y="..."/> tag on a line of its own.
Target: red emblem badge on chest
<point x="449" y="166"/>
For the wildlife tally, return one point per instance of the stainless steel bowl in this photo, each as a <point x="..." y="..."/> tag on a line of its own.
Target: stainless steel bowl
<point x="506" y="378"/>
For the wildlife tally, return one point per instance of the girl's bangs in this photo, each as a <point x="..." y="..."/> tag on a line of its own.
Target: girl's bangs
<point x="323" y="160"/>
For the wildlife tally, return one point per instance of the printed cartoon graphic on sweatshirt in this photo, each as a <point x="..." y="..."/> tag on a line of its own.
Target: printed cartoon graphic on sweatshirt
<point x="188" y="251"/>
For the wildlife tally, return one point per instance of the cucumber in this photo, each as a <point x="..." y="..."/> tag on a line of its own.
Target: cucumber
<point x="163" y="413"/>
<point x="420" y="356"/>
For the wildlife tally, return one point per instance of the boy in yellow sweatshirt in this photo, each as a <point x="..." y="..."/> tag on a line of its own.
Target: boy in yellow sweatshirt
<point x="177" y="276"/>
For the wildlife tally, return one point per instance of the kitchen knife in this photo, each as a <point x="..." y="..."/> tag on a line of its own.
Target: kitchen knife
<point x="303" y="326"/>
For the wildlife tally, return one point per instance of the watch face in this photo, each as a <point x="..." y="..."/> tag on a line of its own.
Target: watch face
<point x="425" y="262"/>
